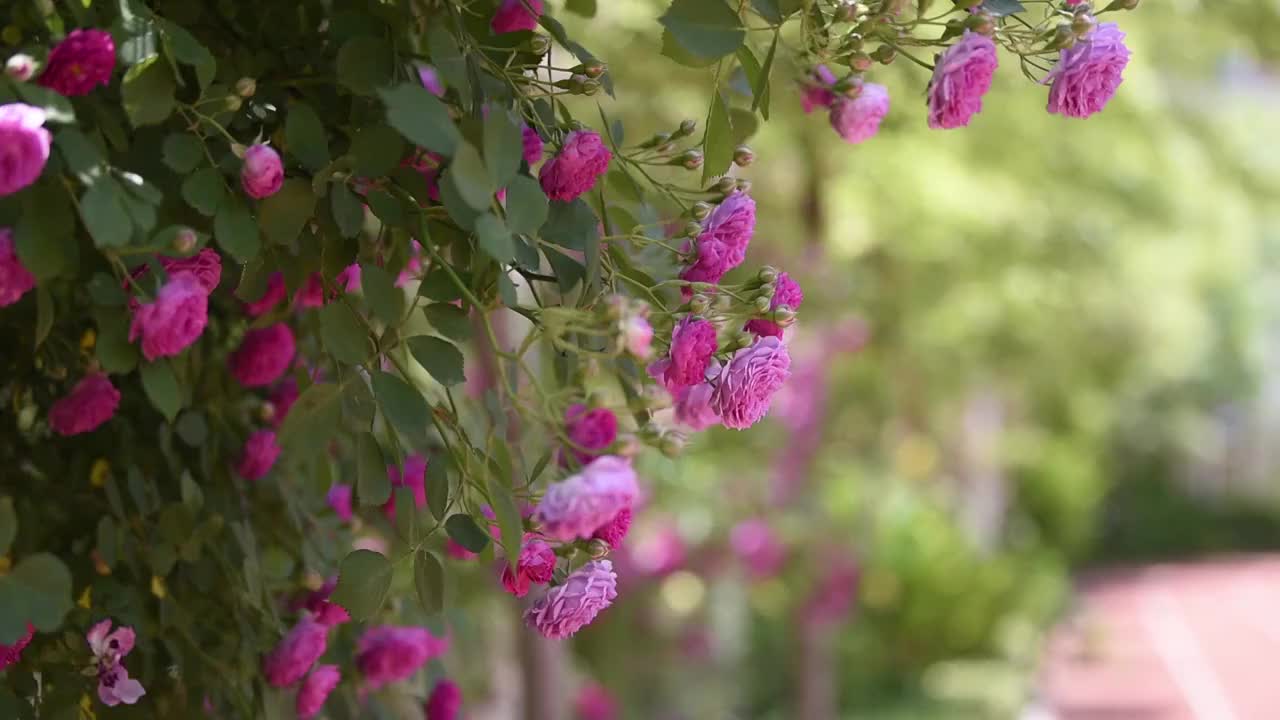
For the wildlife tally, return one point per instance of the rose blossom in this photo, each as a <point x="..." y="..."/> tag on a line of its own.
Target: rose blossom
<point x="282" y="400"/>
<point x="693" y="343"/>
<point x="11" y="654"/>
<point x="747" y="384"/>
<point x="262" y="173"/>
<point x="567" y="608"/>
<point x="311" y="294"/>
<point x="388" y="654"/>
<point x="961" y="77"/>
<point x="259" y="454"/>
<point x="532" y="142"/>
<point x="414" y="477"/>
<point x="536" y="564"/>
<point x="817" y="91"/>
<point x="578" y="506"/>
<point x="574" y="171"/>
<point x="513" y="15"/>
<point x="92" y="402"/>
<point x="20" y="67"/>
<point x="858" y="118"/>
<point x="445" y="701"/>
<point x="174" y="320"/>
<point x="24" y="146"/>
<point x="82" y="61"/>
<point x="15" y="280"/>
<point x="271" y="296"/>
<point x="430" y="79"/>
<point x="590" y="431"/>
<point x="693" y="407"/>
<point x="315" y="690"/>
<point x="788" y="293"/>
<point x="339" y="498"/>
<point x="756" y="545"/>
<point x="614" y="531"/>
<point x="263" y="356"/>
<point x="296" y="652"/>
<point x="722" y="245"/>
<point x="595" y="703"/>
<point x="1088" y="73"/>
<point x="637" y="334"/>
<point x="109" y="649"/>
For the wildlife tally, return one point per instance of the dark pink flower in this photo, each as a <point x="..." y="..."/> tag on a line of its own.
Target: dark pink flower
<point x="315" y="690"/>
<point x="82" y="61"/>
<point x="282" y="400"/>
<point x="311" y="294"/>
<point x="595" y="703"/>
<point x="445" y="701"/>
<point x="92" y="402"/>
<point x="532" y="145"/>
<point x="961" y="77"/>
<point x="722" y="245"/>
<point x="579" y="505"/>
<point x="262" y="174"/>
<point x="15" y="280"/>
<point x="349" y="278"/>
<point x="837" y="588"/>
<point x="567" y="608"/>
<point x="614" y="531"/>
<point x="659" y="552"/>
<point x="858" y="118"/>
<point x="756" y="545"/>
<point x="24" y="146"/>
<point x="414" y="477"/>
<point x="693" y="343"/>
<point x="263" y="356"/>
<point x="816" y="92"/>
<point x="430" y="79"/>
<point x="296" y="652"/>
<point x="109" y="649"/>
<point x="388" y="654"/>
<point x="1088" y="73"/>
<point x="412" y="269"/>
<point x="591" y="431"/>
<point x="788" y="293"/>
<point x="513" y="15"/>
<point x="271" y="297"/>
<point x="205" y="265"/>
<point x="174" y="320"/>
<point x="260" y="453"/>
<point x="339" y="498"/>
<point x="11" y="654"/>
<point x="536" y="564"/>
<point x="693" y="407"/>
<point x="574" y="171"/>
<point x="746" y="385"/>
<point x="429" y="165"/>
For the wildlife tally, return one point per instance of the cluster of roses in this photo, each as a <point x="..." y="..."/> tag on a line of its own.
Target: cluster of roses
<point x="1090" y="68"/>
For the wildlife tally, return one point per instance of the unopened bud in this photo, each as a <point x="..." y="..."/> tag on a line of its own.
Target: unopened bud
<point x="590" y="86"/>
<point x="597" y="548"/>
<point x="743" y="156"/>
<point x="594" y="69"/>
<point x="884" y="54"/>
<point x="1082" y="24"/>
<point x="860" y="62"/>
<point x="1063" y="37"/>
<point x="232" y="103"/>
<point x="185" y="241"/>
<point x="700" y="210"/>
<point x="657" y="140"/>
<point x="238" y="150"/>
<point x="699" y="304"/>
<point x="686" y="129"/>
<point x="691" y="229"/>
<point x="267" y="411"/>
<point x="246" y="87"/>
<point x="20" y="67"/>
<point x="539" y="44"/>
<point x="768" y="274"/>
<point x="672" y="444"/>
<point x="769" y="288"/>
<point x="846" y="12"/>
<point x="743" y="185"/>
<point x="723" y="303"/>
<point x="763" y="303"/>
<point x="981" y="23"/>
<point x="726" y="185"/>
<point x="784" y="316"/>
<point x="743" y="338"/>
<point x="689" y="159"/>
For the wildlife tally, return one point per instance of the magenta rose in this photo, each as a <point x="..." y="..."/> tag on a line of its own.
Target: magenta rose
<point x="788" y="293"/>
<point x="24" y="146"/>
<point x="693" y="343"/>
<point x="722" y="244"/>
<point x="388" y="654"/>
<point x="92" y="402"/>
<point x="296" y="652"/>
<point x="513" y="15"/>
<point x="15" y="280"/>
<point x="574" y="171"/>
<point x="263" y="356"/>
<point x="315" y="690"/>
<point x="258" y="456"/>
<point x="82" y="61"/>
<point x="567" y="608"/>
<point x="579" y="505"/>
<point x="747" y="384"/>
<point x="445" y="701"/>
<point x="858" y="118"/>
<point x="592" y="431"/>
<point x="532" y="143"/>
<point x="615" y="531"/>
<point x="816" y="92"/>
<point x="1088" y="73"/>
<point x="11" y="654"/>
<point x="174" y="320"/>
<point x="536" y="564"/>
<point x="961" y="77"/>
<point x="262" y="173"/>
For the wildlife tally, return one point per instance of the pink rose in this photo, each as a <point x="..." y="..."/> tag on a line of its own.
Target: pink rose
<point x="788" y="293"/>
<point x="339" y="499"/>
<point x="579" y="505"/>
<point x="296" y="652"/>
<point x="567" y="608"/>
<point x="315" y="690"/>
<point x="693" y="343"/>
<point x="430" y="79"/>
<point x="858" y="118"/>
<point x="11" y="654"/>
<point x="590" y="431"/>
<point x="722" y="245"/>
<point x="574" y="171"/>
<point x="746" y="386"/>
<point x="263" y="356"/>
<point x="1088" y="73"/>
<point x="92" y="402"/>
<point x="532" y="145"/>
<point x="536" y="564"/>
<point x="15" y="280"/>
<point x="445" y="701"/>
<point x="388" y="654"/>
<point x="614" y="531"/>
<point x="513" y="15"/>
<point x="174" y="320"/>
<point x="24" y="146"/>
<point x="817" y="92"/>
<point x="258" y="456"/>
<point x="961" y="77"/>
<point x="262" y="173"/>
<point x="82" y="61"/>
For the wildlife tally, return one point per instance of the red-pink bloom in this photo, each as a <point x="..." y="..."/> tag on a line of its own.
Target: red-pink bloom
<point x="592" y="431"/>
<point x="92" y="402"/>
<point x="282" y="400"/>
<point x="315" y="690"/>
<point x="513" y="15"/>
<point x="722" y="245"/>
<point x="349" y="278"/>
<point x="747" y="384"/>
<point x="414" y="477"/>
<point x="693" y="343"/>
<point x="205" y="265"/>
<point x="595" y="703"/>
<point x="536" y="564"/>
<point x="445" y="701"/>
<point x="788" y="293"/>
<point x="271" y="297"/>
<point x="430" y="79"/>
<point x="109" y="649"/>
<point x="961" y="77"/>
<point x="388" y="654"/>
<point x="260" y="453"/>
<point x="756" y="545"/>
<point x="339" y="498"/>
<point x="693" y="407"/>
<point x="429" y="165"/>
<point x="15" y="280"/>
<point x="1088" y="73"/>
<point x="263" y="356"/>
<point x="11" y="654"/>
<point x="174" y="320"/>
<point x="574" y="171"/>
<point x="858" y="118"/>
<point x="413" y="268"/>
<point x="82" y="61"/>
<point x="262" y="174"/>
<point x="816" y="92"/>
<point x="311" y="294"/>
<point x="532" y="145"/>
<point x="658" y="552"/>
<point x="614" y="531"/>
<point x="296" y="652"/>
<point x="24" y="146"/>
<point x="579" y="505"/>
<point x="567" y="608"/>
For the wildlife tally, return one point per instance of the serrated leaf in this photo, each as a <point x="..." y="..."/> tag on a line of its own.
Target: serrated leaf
<point x="421" y="118"/>
<point x="428" y="579"/>
<point x="448" y="320"/>
<point x="37" y="590"/>
<point x="437" y="482"/>
<point x="527" y="205"/>
<point x="449" y="60"/>
<point x="377" y="150"/>
<point x="503" y="146"/>
<point x="466" y="533"/>
<point x="161" y="387"/>
<point x="235" y="229"/>
<point x="204" y="191"/>
<point x="283" y="215"/>
<point x="103" y="213"/>
<point x="494" y="238"/>
<point x="471" y="178"/>
<point x="113" y="348"/>
<point x="364" y="577"/>
<point x="373" y="487"/>
<point x="365" y="63"/>
<point x="305" y="136"/>
<point x="439" y="358"/>
<point x="384" y="298"/>
<point x="704" y="28"/>
<point x="312" y="420"/>
<point x="44" y="237"/>
<point x="717" y="143"/>
<point x="401" y="403"/>
<point x="348" y="213"/>
<point x="343" y="335"/>
<point x="147" y="90"/>
<point x="182" y="152"/>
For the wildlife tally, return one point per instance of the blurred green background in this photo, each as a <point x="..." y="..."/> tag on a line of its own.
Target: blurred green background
<point x="1028" y="348"/>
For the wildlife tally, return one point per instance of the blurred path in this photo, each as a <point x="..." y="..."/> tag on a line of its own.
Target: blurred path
<point x="1196" y="641"/>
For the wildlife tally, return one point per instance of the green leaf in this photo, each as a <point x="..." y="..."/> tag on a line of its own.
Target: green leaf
<point x="384" y="298"/>
<point x="8" y="524"/>
<point x="312" y="420"/>
<point x="365" y="63"/>
<point x="343" y="335"/>
<point x="348" y="213"/>
<point x="428" y="578"/>
<point x="57" y="109"/>
<point x="471" y="178"/>
<point x="503" y="146"/>
<point x="82" y="156"/>
<point x="103" y="213"/>
<point x="421" y="118"/>
<point x="527" y="205"/>
<point x="44" y="316"/>
<point x="705" y="28"/>
<point x="437" y="482"/>
<point x="1000" y="8"/>
<point x="449" y="60"/>
<point x="448" y="320"/>
<point x="44" y="236"/>
<point x="401" y="403"/>
<point x="182" y="152"/>
<point x="38" y="591"/>
<point x="283" y="215"/>
<point x="187" y="50"/>
<point x="364" y="577"/>
<point x="569" y="272"/>
<point x="113" y="348"/>
<point x="717" y="143"/>
<point x="192" y="495"/>
<point x="768" y="9"/>
<point x="236" y="230"/>
<point x="439" y="358"/>
<point x="305" y="136"/>
<point x="744" y="126"/>
<point x="377" y="150"/>
<point x="509" y="522"/>
<point x="147" y="91"/>
<point x="161" y="386"/>
<point x="385" y="207"/>
<point x="585" y="8"/>
<point x="105" y="290"/>
<point x="466" y="533"/>
<point x="373" y="487"/>
<point x="459" y="210"/>
<point x="204" y="191"/>
<point x="494" y="238"/>
<point x="758" y="76"/>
